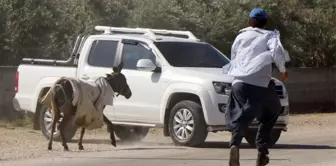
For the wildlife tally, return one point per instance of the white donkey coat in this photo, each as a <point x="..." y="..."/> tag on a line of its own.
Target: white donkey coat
<point x="90" y="99"/>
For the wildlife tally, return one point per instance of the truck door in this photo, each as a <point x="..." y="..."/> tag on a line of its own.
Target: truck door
<point x="97" y="59"/>
<point x="147" y="86"/>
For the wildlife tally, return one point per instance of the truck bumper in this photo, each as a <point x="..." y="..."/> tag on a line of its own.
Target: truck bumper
<point x="16" y="104"/>
<point x="281" y="123"/>
<point x="21" y="103"/>
<point x="214" y="106"/>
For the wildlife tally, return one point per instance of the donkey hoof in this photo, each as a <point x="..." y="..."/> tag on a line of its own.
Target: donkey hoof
<point x="49" y="147"/>
<point x="66" y="149"/>
<point x="80" y="148"/>
<point x="114" y="144"/>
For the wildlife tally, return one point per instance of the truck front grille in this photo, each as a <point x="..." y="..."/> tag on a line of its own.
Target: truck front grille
<point x="279" y="91"/>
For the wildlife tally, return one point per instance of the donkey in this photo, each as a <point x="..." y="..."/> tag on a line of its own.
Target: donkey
<point x="58" y="102"/>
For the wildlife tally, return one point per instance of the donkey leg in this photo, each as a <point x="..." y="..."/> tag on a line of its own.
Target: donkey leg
<point x="56" y="115"/>
<point x="80" y="141"/>
<point x="63" y="124"/>
<point x="111" y="130"/>
<point x="53" y="126"/>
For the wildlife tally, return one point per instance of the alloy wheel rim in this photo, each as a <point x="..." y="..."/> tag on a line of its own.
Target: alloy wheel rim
<point x="183" y="124"/>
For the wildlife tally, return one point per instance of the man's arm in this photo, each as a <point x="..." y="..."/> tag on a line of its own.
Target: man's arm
<point x="234" y="49"/>
<point x="277" y="52"/>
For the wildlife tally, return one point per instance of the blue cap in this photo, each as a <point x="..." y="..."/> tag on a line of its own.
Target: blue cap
<point x="258" y="14"/>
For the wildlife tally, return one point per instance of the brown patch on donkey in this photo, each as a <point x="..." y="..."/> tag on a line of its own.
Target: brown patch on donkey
<point x="60" y="100"/>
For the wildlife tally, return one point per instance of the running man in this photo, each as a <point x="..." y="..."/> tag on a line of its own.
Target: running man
<point x="253" y="94"/>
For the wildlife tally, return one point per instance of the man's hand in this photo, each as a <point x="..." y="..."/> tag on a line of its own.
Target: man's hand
<point x="284" y="76"/>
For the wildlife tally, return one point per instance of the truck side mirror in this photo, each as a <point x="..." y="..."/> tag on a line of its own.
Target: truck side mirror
<point x="147" y="65"/>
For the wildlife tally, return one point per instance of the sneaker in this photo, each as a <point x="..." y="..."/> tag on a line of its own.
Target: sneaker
<point x="262" y="160"/>
<point x="234" y="156"/>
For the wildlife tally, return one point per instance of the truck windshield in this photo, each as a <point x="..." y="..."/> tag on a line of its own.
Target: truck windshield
<point x="184" y="54"/>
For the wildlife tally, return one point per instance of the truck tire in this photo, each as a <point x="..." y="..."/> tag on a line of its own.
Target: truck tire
<point x="250" y="137"/>
<point x="186" y="124"/>
<point x="130" y="133"/>
<point x="45" y="124"/>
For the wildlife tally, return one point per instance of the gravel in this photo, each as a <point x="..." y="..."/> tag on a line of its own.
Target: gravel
<point x="22" y="142"/>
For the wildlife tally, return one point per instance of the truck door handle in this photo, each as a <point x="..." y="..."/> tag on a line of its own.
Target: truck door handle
<point x="85" y="77"/>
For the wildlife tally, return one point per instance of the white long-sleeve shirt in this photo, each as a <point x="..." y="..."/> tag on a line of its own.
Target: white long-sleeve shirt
<point x="252" y="54"/>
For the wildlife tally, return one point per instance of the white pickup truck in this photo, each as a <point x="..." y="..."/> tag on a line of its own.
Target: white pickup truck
<point x="177" y="84"/>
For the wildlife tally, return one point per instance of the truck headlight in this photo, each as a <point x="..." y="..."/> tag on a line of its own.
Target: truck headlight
<point x="285" y="110"/>
<point x="222" y="87"/>
<point x="284" y="91"/>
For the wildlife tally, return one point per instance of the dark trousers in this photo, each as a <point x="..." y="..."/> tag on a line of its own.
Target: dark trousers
<point x="248" y="102"/>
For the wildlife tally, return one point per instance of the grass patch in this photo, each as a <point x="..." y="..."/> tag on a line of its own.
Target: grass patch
<point x="25" y="121"/>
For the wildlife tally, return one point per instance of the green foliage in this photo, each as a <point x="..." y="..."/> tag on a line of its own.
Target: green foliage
<point x="48" y="28"/>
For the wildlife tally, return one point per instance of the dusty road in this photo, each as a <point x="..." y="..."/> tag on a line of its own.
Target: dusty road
<point x="310" y="141"/>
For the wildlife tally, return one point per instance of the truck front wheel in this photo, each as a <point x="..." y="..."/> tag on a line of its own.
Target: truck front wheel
<point x="187" y="126"/>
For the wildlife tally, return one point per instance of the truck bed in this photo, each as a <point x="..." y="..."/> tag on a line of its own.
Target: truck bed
<point x="31" y="78"/>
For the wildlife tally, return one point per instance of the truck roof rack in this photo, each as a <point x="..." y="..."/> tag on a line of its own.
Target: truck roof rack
<point x="146" y="31"/>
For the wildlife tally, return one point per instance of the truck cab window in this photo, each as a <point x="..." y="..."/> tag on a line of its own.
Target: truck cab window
<point x="133" y="53"/>
<point x="103" y="53"/>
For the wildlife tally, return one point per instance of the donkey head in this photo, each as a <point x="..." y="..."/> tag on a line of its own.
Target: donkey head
<point x="118" y="82"/>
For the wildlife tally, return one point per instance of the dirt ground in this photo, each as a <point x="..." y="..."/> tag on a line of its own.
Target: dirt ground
<point x="24" y="142"/>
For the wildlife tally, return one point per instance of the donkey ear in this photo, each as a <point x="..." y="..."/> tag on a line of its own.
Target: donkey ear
<point x="118" y="68"/>
<point x="115" y="70"/>
<point x="121" y="66"/>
